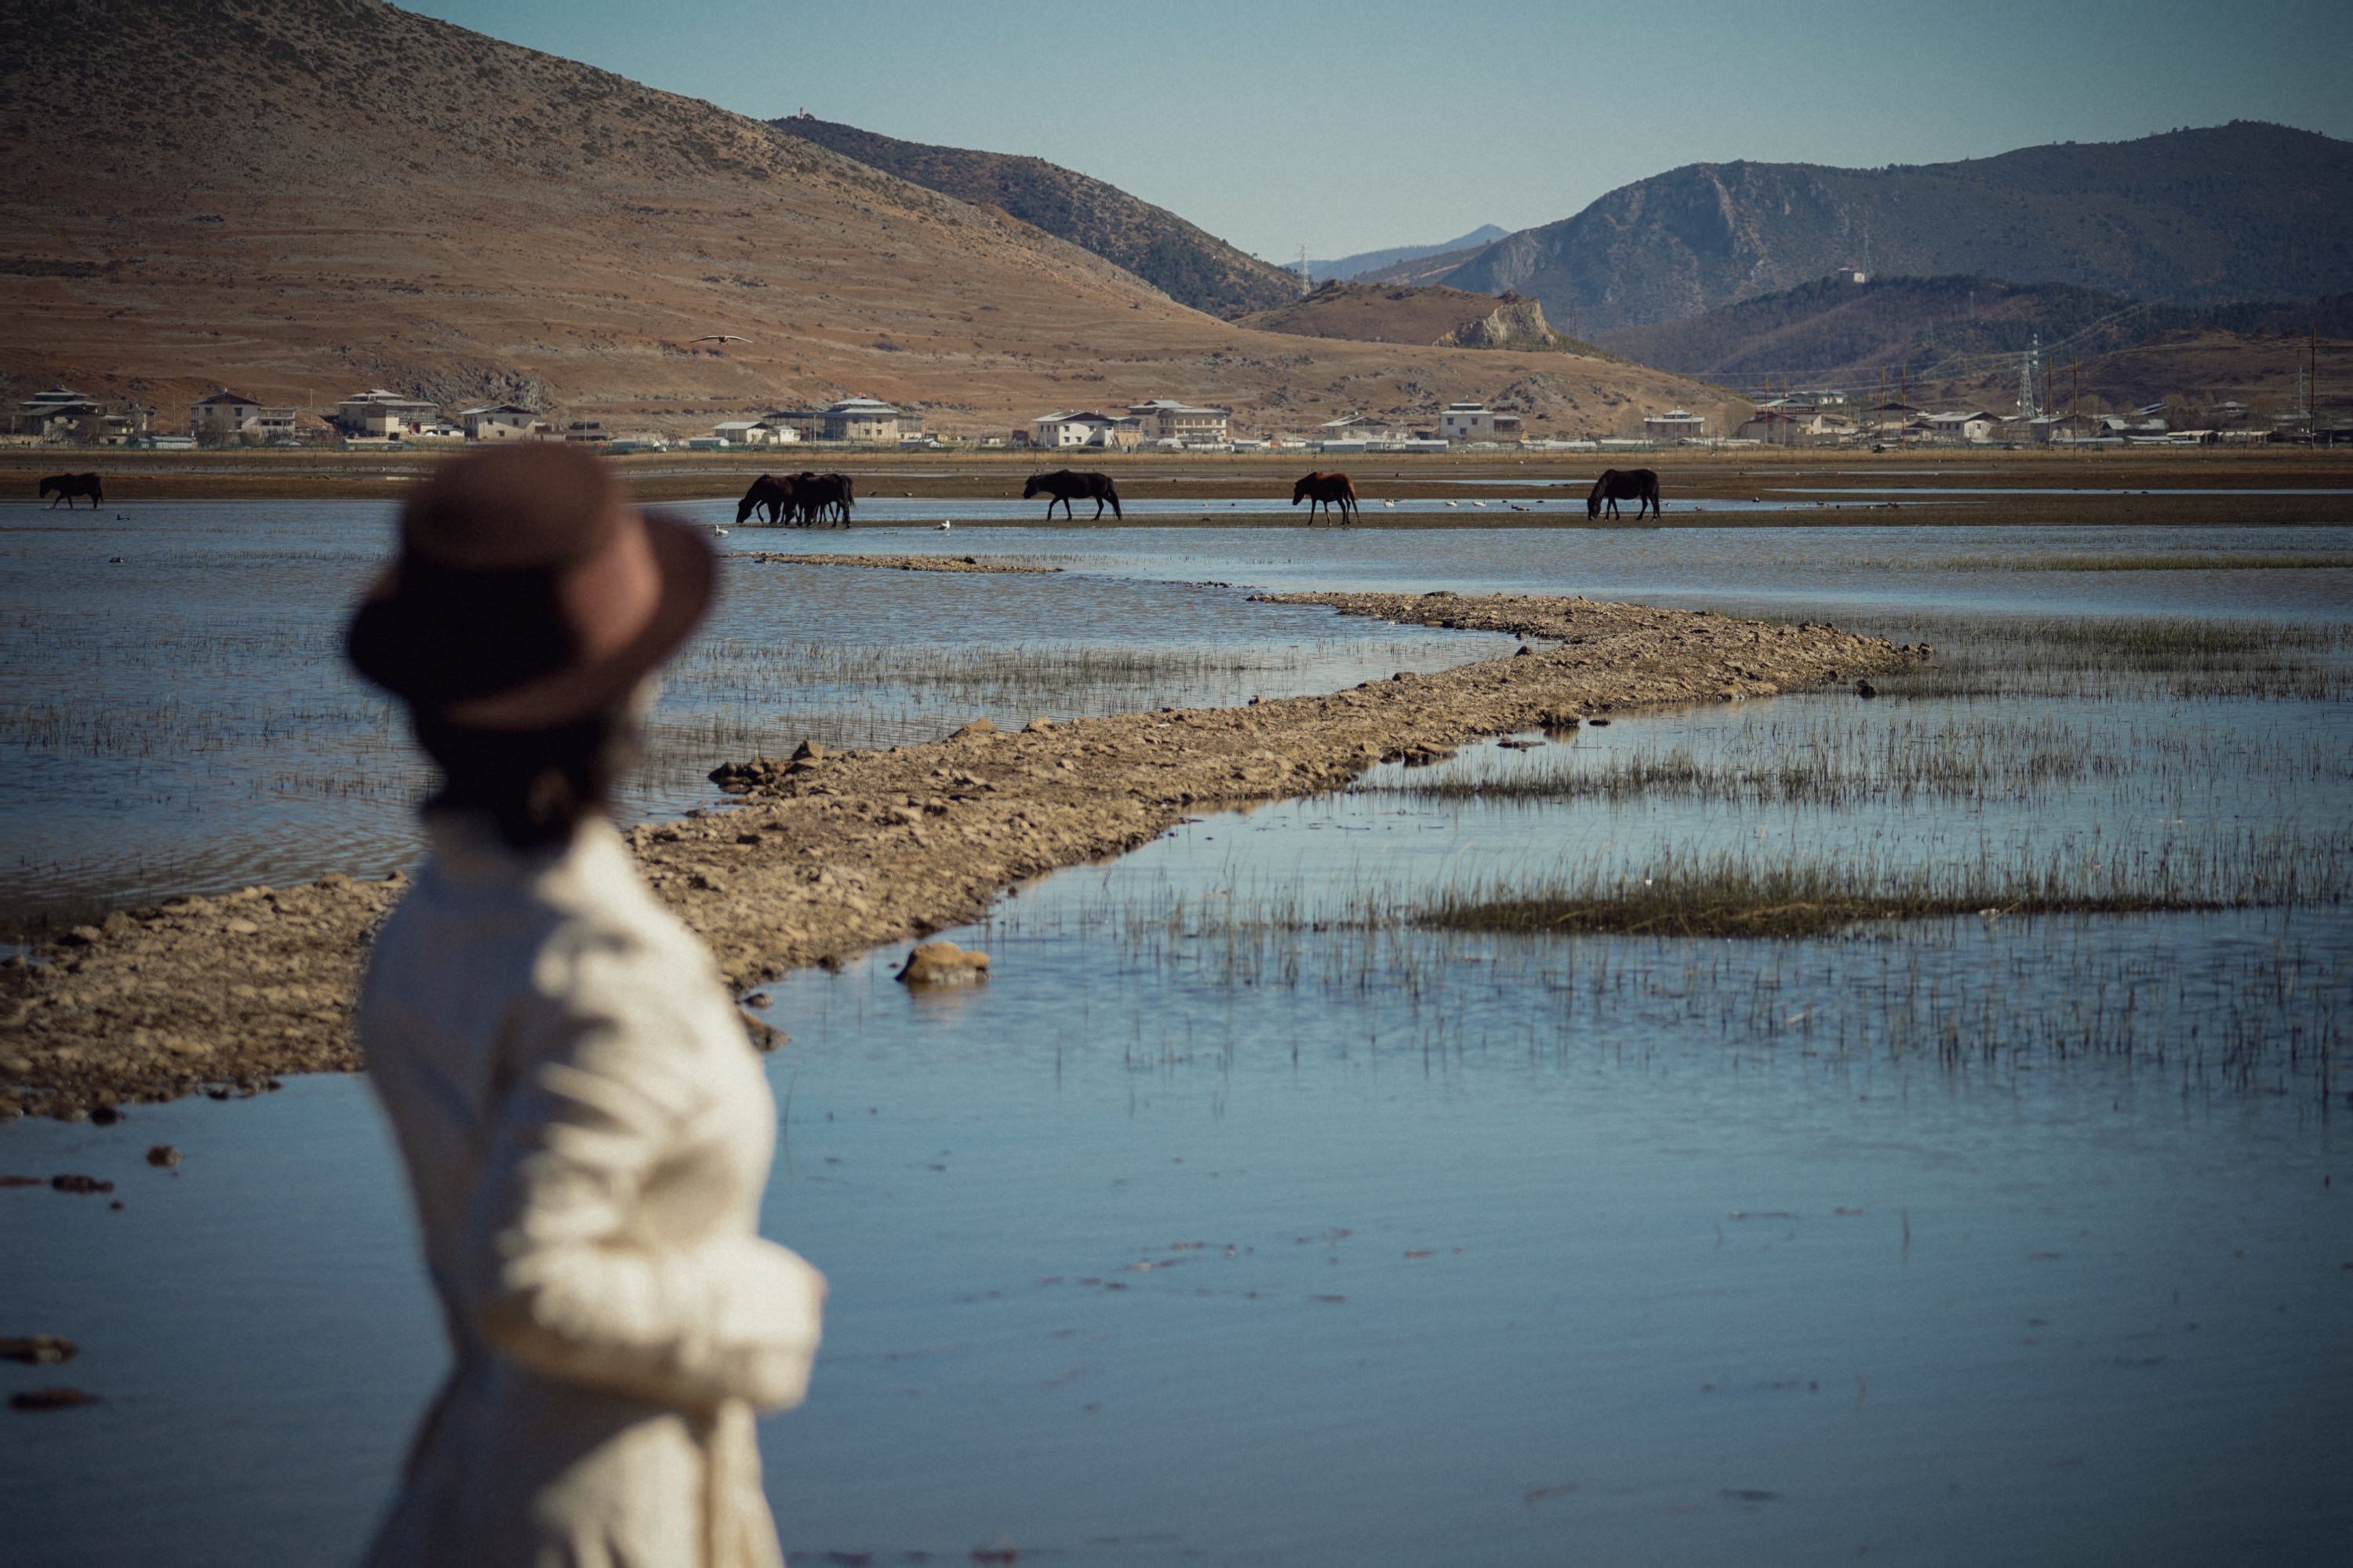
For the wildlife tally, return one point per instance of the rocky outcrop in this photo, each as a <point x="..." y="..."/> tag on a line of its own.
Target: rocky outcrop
<point x="1515" y="324"/>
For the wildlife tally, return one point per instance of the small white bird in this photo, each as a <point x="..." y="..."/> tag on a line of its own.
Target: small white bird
<point x="945" y="525"/>
<point x="1390" y="504"/>
<point x="1480" y="504"/>
<point x="716" y="528"/>
<point x="1450" y="505"/>
<point x="719" y="337"/>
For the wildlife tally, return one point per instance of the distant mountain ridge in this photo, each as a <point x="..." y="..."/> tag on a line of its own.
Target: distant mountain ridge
<point x="1182" y="260"/>
<point x="2247" y="210"/>
<point x="1833" y="329"/>
<point x="1352" y="269"/>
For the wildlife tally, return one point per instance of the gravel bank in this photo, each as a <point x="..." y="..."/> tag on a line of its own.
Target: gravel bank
<point x="829" y="855"/>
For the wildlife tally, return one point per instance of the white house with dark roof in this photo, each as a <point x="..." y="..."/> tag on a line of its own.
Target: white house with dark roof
<point x="1472" y="421"/>
<point x="502" y="422"/>
<point x="227" y="415"/>
<point x="387" y="415"/>
<point x="1085" y="428"/>
<point x="1164" y="419"/>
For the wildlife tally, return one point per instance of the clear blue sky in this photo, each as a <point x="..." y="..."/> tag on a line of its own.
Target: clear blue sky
<point x="1350" y="124"/>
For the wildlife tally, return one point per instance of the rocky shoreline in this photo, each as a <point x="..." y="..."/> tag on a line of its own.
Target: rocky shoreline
<point x="826" y="855"/>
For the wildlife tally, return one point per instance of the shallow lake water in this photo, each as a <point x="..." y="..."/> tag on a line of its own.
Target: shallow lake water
<point x="1238" y="1219"/>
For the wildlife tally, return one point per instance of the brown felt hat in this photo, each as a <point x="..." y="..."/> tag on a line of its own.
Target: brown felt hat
<point x="528" y="592"/>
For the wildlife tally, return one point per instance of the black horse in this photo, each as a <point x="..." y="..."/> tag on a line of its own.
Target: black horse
<point x="1637" y="485"/>
<point x="1323" y="489"/>
<point x="69" y="485"/>
<point x="824" y="497"/>
<point x="1062" y="484"/>
<point x="773" y="496"/>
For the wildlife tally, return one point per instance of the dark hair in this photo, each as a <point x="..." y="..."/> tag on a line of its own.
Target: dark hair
<point x="535" y="786"/>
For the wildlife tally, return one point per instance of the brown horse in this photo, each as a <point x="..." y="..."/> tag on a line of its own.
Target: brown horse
<point x="1635" y="484"/>
<point x="69" y="485"/>
<point x="824" y="497"/>
<point x="1062" y="484"/>
<point x="775" y="497"/>
<point x="1326" y="490"/>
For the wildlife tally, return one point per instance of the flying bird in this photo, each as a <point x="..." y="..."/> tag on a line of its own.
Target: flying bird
<point x="719" y="337"/>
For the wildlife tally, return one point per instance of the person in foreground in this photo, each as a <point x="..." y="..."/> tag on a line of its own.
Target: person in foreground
<point x="585" y="1126"/>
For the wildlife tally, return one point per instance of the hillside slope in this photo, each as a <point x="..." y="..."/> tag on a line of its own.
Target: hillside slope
<point x="1187" y="264"/>
<point x="2240" y="211"/>
<point x="298" y="198"/>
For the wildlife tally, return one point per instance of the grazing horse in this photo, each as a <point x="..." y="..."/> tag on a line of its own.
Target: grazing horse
<point x="69" y="485"/>
<point x="824" y="497"/>
<point x="1636" y="484"/>
<point x="775" y="497"/>
<point x="1062" y="484"/>
<point x="1322" y="490"/>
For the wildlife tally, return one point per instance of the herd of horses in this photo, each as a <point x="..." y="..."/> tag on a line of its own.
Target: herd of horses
<point x="805" y="499"/>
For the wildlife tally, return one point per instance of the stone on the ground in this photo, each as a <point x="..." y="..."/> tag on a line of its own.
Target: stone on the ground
<point x="943" y="963"/>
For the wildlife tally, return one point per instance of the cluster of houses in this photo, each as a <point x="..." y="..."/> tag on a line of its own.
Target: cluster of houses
<point x="373" y="417"/>
<point x="379" y="417"/>
<point x="1830" y="419"/>
<point x="1166" y="424"/>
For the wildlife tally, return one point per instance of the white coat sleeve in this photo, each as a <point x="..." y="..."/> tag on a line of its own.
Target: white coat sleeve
<point x="605" y="1093"/>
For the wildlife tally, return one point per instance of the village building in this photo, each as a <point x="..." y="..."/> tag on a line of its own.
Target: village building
<point x="1085" y="428"/>
<point x="769" y="430"/>
<point x="592" y="431"/>
<point x="1675" y="425"/>
<point x="501" y="422"/>
<point x="51" y="415"/>
<point x="1474" y="422"/>
<point x="1791" y="424"/>
<point x="228" y="415"/>
<point x="1166" y="422"/>
<point x="1360" y="431"/>
<point x="1973" y="426"/>
<point x="866" y="419"/>
<point x="388" y="415"/>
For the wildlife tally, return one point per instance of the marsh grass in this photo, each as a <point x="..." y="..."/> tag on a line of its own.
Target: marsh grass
<point x="1821" y="756"/>
<point x="2106" y="658"/>
<point x="1737" y="894"/>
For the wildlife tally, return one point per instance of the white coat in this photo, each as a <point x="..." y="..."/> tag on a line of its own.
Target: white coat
<point x="586" y="1132"/>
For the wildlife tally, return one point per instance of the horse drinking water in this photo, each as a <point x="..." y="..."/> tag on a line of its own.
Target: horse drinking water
<point x="1637" y="485"/>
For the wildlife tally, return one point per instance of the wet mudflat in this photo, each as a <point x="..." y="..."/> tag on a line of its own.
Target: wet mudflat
<point x="1243" y="1216"/>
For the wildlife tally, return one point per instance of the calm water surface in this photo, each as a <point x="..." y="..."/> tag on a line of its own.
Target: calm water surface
<point x="1227" y="1225"/>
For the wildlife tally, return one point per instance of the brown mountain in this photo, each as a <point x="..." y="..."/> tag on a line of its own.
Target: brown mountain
<point x="296" y="198"/>
<point x="2239" y="211"/>
<point x="1187" y="264"/>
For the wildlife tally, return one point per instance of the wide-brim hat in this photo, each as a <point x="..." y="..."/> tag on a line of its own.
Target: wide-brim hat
<point x="528" y="592"/>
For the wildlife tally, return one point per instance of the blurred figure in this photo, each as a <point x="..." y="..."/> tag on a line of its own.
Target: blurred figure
<point x="585" y="1127"/>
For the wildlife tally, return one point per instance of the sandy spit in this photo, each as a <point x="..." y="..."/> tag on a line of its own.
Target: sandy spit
<point x="831" y="854"/>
